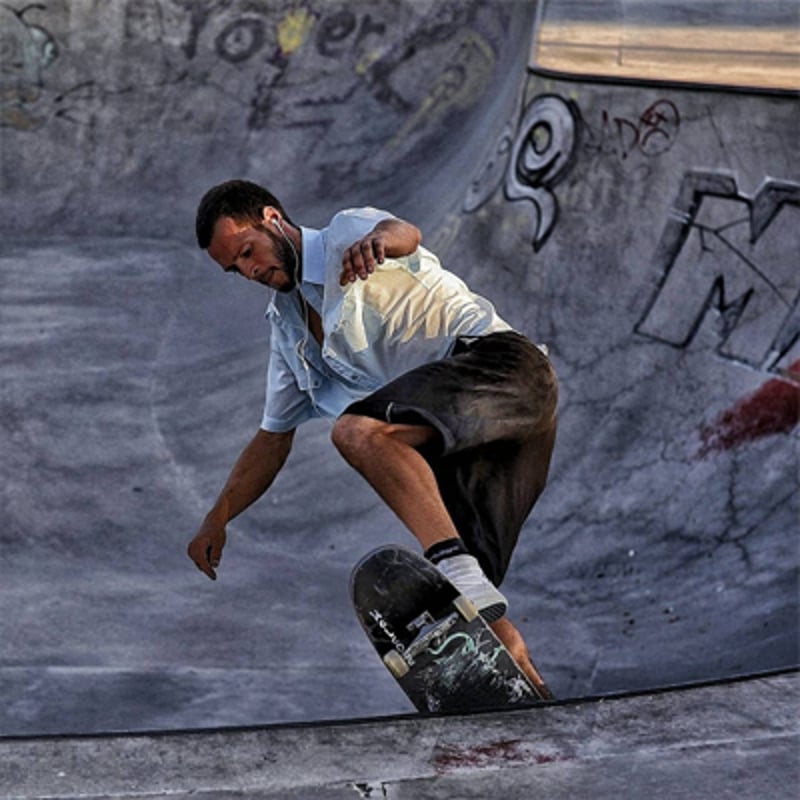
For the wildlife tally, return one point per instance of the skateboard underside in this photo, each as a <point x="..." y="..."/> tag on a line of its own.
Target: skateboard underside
<point x="431" y="639"/>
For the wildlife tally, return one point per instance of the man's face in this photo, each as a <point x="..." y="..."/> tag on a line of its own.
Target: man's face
<point x="254" y="252"/>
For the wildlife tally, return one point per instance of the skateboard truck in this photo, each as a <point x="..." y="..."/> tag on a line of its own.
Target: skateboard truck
<point x="431" y="634"/>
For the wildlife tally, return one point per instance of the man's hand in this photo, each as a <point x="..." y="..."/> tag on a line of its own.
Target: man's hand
<point x="251" y="476"/>
<point x="360" y="258"/>
<point x="390" y="238"/>
<point x="206" y="548"/>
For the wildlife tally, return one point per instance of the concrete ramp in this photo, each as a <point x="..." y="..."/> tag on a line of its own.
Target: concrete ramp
<point x="727" y="740"/>
<point x="646" y="233"/>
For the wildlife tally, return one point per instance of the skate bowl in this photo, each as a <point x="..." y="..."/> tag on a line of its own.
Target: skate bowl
<point x="645" y="232"/>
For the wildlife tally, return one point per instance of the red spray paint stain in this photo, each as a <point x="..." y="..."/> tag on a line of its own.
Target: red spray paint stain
<point x="773" y="409"/>
<point x="450" y="758"/>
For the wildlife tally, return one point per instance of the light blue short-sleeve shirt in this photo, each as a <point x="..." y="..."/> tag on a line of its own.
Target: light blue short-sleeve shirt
<point x="409" y="312"/>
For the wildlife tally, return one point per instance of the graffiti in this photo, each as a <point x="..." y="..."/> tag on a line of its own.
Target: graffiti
<point x="261" y="53"/>
<point x="263" y="40"/>
<point x="26" y="51"/>
<point x="199" y="15"/>
<point x="709" y="257"/>
<point x="239" y="40"/>
<point x="144" y="21"/>
<point x="284" y="66"/>
<point x="336" y="33"/>
<point x="490" y="176"/>
<point x="532" y="161"/>
<point x="653" y="133"/>
<point x="293" y="31"/>
<point x="460" y="82"/>
<point x="540" y="158"/>
<point x="773" y="409"/>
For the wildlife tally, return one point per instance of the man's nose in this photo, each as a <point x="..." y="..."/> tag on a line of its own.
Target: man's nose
<point x="251" y="270"/>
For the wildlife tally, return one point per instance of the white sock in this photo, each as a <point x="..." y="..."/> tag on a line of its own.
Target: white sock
<point x="465" y="573"/>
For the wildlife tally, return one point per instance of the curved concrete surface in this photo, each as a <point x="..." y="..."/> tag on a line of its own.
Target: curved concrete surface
<point x="644" y="233"/>
<point x="735" y="739"/>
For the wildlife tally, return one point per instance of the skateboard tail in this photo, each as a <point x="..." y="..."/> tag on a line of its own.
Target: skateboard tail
<point x="396" y="595"/>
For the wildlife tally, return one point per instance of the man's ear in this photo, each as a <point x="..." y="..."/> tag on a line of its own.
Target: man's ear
<point x="269" y="214"/>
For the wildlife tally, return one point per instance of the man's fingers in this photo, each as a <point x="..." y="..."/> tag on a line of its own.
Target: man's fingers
<point x="373" y="252"/>
<point x="204" y="558"/>
<point x="367" y="257"/>
<point x="349" y="267"/>
<point x="361" y="257"/>
<point x="204" y="565"/>
<point x="360" y="254"/>
<point x="379" y="250"/>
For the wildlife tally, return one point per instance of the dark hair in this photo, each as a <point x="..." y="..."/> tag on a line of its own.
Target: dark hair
<point x="243" y="201"/>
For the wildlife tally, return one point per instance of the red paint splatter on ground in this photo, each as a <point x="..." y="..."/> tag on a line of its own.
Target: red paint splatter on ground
<point x="773" y="409"/>
<point x="452" y="757"/>
<point x="449" y="758"/>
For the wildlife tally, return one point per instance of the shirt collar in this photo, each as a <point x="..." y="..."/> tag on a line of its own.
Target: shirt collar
<point x="313" y="256"/>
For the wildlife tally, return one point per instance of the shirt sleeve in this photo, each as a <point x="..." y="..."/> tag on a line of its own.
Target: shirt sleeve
<point x="285" y="406"/>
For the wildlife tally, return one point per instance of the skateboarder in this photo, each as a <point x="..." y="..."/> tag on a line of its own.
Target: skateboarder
<point x="448" y="413"/>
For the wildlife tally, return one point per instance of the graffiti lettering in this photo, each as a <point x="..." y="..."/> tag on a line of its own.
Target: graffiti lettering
<point x="290" y="64"/>
<point x="653" y="133"/>
<point x="199" y="14"/>
<point x="459" y="82"/>
<point x="337" y="28"/>
<point x="333" y="30"/>
<point x="658" y="128"/>
<point x="486" y="182"/>
<point x="542" y="154"/>
<point x="240" y="40"/>
<point x="532" y="161"/>
<point x="709" y="255"/>
<point x="26" y="50"/>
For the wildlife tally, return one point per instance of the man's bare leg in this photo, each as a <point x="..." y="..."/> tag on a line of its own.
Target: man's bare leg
<point x="507" y="633"/>
<point x="386" y="455"/>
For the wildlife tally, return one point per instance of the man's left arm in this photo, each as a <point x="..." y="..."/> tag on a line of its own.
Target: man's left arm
<point x="390" y="238"/>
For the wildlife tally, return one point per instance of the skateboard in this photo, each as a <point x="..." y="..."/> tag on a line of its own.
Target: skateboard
<point x="432" y="639"/>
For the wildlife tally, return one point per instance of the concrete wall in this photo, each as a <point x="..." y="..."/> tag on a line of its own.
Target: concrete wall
<point x="650" y="236"/>
<point x="647" y="234"/>
<point x="117" y="115"/>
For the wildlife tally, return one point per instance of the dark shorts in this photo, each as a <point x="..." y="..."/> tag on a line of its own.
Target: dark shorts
<point x="493" y="403"/>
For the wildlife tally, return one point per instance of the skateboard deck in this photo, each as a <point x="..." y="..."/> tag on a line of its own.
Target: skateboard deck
<point x="432" y="639"/>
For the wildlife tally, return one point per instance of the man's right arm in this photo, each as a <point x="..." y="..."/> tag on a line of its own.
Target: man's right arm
<point x="251" y="476"/>
<point x="390" y="238"/>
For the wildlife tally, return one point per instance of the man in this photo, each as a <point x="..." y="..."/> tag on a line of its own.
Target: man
<point x="447" y="412"/>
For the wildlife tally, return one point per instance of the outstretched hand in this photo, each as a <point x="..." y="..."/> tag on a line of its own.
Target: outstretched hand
<point x="206" y="547"/>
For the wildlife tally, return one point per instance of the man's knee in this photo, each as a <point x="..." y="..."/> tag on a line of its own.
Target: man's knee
<point x="358" y="437"/>
<point x="351" y="435"/>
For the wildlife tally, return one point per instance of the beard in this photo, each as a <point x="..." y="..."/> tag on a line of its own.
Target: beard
<point x="290" y="261"/>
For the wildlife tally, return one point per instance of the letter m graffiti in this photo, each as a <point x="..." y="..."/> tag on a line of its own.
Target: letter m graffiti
<point x="733" y="256"/>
